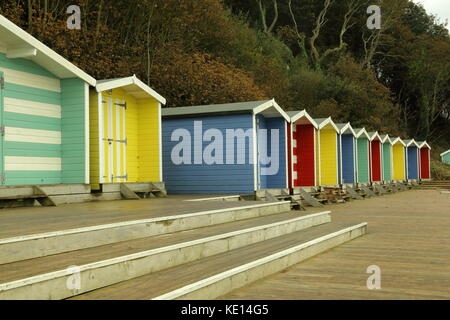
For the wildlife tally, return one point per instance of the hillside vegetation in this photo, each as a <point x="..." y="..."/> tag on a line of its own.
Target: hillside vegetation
<point x="317" y="55"/>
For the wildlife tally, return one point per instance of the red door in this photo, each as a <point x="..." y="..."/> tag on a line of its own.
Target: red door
<point x="424" y="163"/>
<point x="376" y="160"/>
<point x="304" y="151"/>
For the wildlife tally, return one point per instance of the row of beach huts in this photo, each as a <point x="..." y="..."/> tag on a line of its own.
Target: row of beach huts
<point x="65" y="133"/>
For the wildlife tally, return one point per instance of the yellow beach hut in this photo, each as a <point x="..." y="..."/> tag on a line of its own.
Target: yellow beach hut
<point x="327" y="153"/>
<point x="125" y="133"/>
<point x="398" y="159"/>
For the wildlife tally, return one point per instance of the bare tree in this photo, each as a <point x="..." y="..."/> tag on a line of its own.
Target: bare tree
<point x="301" y="38"/>
<point x="373" y="39"/>
<point x="320" y="22"/>
<point x="352" y="7"/>
<point x="263" y="13"/>
<point x="30" y="13"/>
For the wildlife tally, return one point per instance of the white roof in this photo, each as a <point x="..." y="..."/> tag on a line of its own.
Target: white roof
<point x="346" y="128"/>
<point x="423" y="144"/>
<point x="444" y="153"/>
<point x="411" y="142"/>
<point x="361" y="131"/>
<point x="374" y="135"/>
<point x="384" y="138"/>
<point x="299" y="115"/>
<point x="21" y="44"/>
<point x="271" y="104"/>
<point x="323" y="122"/>
<point x="398" y="139"/>
<point x="131" y="85"/>
<point x="268" y="108"/>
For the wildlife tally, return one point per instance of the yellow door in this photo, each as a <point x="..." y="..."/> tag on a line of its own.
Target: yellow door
<point x="399" y="161"/>
<point x="114" y="141"/>
<point x="328" y="157"/>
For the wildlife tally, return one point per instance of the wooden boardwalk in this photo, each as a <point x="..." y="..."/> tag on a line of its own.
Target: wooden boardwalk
<point x="408" y="238"/>
<point x="24" y="221"/>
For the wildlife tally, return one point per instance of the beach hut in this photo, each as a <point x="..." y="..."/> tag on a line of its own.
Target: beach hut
<point x="347" y="153"/>
<point x="125" y="144"/>
<point x="424" y="160"/>
<point x="398" y="158"/>
<point x="362" y="156"/>
<point x="375" y="154"/>
<point x="44" y="113"/>
<point x="412" y="159"/>
<point x="445" y="157"/>
<point x="327" y="152"/>
<point x="234" y="148"/>
<point x="386" y="149"/>
<point x="302" y="146"/>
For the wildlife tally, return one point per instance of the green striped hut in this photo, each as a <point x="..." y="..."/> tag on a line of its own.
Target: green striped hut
<point x="44" y="113"/>
<point x="362" y="156"/>
<point x="386" y="151"/>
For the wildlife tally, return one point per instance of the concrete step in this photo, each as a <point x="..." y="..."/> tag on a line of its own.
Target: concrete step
<point x="218" y="198"/>
<point x="49" y="243"/>
<point x="220" y="274"/>
<point x="46" y="277"/>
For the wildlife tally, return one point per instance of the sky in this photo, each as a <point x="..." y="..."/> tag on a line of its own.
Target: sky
<point x="440" y="8"/>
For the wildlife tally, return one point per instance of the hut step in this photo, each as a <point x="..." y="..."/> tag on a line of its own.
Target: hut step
<point x="127" y="193"/>
<point x="401" y="186"/>
<point x="270" y="197"/>
<point x="379" y="189"/>
<point x="368" y="192"/>
<point x="42" y="197"/>
<point x="309" y="199"/>
<point x="354" y="194"/>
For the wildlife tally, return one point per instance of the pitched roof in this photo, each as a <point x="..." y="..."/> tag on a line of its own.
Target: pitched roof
<point x="132" y="85"/>
<point x="361" y="131"/>
<point x="398" y="140"/>
<point x="323" y="122"/>
<point x="410" y="142"/>
<point x="423" y="144"/>
<point x="301" y="114"/>
<point x="253" y="107"/>
<point x="444" y="153"/>
<point x="345" y="128"/>
<point x="19" y="43"/>
<point x="374" y="135"/>
<point x="384" y="138"/>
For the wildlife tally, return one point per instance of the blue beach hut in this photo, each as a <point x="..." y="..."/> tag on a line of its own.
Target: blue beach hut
<point x="347" y="153"/>
<point x="235" y="148"/>
<point x="412" y="159"/>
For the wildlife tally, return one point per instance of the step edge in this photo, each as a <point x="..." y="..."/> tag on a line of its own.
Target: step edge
<point x="52" y="234"/>
<point x="213" y="198"/>
<point x="223" y="275"/>
<point x="107" y="262"/>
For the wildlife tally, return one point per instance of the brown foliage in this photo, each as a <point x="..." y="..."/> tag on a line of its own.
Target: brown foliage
<point x="165" y="43"/>
<point x="198" y="79"/>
